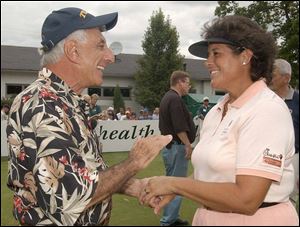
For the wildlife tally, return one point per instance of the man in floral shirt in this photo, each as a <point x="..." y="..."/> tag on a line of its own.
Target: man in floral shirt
<point x="56" y="169"/>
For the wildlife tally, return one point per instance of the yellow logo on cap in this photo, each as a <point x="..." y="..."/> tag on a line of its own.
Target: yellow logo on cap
<point x="83" y="14"/>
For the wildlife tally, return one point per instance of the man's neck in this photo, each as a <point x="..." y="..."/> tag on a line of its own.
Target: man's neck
<point x="283" y="92"/>
<point x="66" y="73"/>
<point x="177" y="90"/>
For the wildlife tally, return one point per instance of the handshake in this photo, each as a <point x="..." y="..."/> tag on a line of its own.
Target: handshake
<point x="154" y="192"/>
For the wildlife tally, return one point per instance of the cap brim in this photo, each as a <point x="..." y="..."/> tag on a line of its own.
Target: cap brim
<point x="104" y="22"/>
<point x="200" y="49"/>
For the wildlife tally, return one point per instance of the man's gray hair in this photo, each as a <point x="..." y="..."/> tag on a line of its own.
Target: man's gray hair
<point x="57" y="52"/>
<point x="283" y="66"/>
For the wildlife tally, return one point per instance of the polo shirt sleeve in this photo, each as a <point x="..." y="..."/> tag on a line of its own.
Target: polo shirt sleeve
<point x="265" y="141"/>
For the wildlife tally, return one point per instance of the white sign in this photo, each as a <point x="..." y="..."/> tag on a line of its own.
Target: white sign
<point x="114" y="135"/>
<point x="121" y="135"/>
<point x="4" y="147"/>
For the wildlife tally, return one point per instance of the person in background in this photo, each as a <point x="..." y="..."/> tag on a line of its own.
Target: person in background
<point x="103" y="116"/>
<point x="133" y="116"/>
<point x="121" y="113"/>
<point x="56" y="169"/>
<point x="128" y="108"/>
<point x="95" y="109"/>
<point x="280" y="84"/>
<point x="243" y="172"/>
<point x="127" y="116"/>
<point x="175" y="119"/>
<point x="111" y="114"/>
<point x="204" y="108"/>
<point x="146" y="115"/>
<point x="4" y="112"/>
<point x="141" y="114"/>
<point x="155" y="115"/>
<point x="85" y="104"/>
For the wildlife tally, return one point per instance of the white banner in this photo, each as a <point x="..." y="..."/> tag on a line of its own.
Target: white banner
<point x="4" y="148"/>
<point x="114" y="135"/>
<point x="121" y="135"/>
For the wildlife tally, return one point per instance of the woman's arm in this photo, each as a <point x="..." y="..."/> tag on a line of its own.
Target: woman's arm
<point x="245" y="196"/>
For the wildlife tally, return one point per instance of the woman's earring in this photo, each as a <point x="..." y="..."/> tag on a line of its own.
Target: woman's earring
<point x="244" y="63"/>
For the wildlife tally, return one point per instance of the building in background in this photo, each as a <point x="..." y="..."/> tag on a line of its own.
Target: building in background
<point x="19" y="67"/>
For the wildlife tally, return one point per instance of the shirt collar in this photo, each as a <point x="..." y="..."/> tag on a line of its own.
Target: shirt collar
<point x="56" y="82"/>
<point x="251" y="91"/>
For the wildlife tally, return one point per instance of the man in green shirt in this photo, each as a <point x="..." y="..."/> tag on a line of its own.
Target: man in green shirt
<point x="203" y="110"/>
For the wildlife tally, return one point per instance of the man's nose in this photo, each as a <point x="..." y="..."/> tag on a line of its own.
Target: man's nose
<point x="109" y="57"/>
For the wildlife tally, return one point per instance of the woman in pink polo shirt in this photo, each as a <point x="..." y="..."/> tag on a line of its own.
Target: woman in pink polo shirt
<point x="243" y="173"/>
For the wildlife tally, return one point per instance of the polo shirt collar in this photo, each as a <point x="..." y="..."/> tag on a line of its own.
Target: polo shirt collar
<point x="250" y="92"/>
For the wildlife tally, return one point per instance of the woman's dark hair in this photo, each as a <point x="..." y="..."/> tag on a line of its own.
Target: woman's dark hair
<point x="246" y="34"/>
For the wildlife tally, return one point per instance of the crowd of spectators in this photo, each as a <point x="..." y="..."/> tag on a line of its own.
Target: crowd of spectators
<point x="90" y="102"/>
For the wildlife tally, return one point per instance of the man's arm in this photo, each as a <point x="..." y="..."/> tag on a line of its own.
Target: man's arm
<point x="114" y="178"/>
<point x="188" y="147"/>
<point x="133" y="187"/>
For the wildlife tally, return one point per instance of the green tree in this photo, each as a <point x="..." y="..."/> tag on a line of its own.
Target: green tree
<point x="7" y="101"/>
<point x="118" y="99"/>
<point x="280" y="17"/>
<point x="160" y="59"/>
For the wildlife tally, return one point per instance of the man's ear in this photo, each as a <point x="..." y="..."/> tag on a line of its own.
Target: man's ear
<point x="71" y="52"/>
<point x="287" y="78"/>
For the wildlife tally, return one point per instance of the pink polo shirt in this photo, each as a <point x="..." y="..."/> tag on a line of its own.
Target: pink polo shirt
<point x="255" y="138"/>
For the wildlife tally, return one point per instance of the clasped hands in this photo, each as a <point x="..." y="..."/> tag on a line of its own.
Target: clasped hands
<point x="156" y="193"/>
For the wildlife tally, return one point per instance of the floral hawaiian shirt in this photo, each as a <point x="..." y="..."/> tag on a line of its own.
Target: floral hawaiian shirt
<point x="55" y="157"/>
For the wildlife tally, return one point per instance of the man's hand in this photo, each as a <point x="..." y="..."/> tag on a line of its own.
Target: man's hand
<point x="188" y="151"/>
<point x="156" y="194"/>
<point x="201" y="117"/>
<point x="134" y="187"/>
<point x="156" y="186"/>
<point x="146" y="149"/>
<point x="115" y="177"/>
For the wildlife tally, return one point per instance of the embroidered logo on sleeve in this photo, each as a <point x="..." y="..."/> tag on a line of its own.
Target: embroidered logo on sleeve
<point x="272" y="159"/>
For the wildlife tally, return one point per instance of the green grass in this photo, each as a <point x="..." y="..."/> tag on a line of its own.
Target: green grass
<point x="126" y="210"/>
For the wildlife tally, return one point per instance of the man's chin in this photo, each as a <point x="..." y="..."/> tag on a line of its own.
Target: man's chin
<point x="93" y="83"/>
<point x="98" y="79"/>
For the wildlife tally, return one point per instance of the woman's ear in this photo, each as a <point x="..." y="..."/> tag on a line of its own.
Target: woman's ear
<point x="246" y="56"/>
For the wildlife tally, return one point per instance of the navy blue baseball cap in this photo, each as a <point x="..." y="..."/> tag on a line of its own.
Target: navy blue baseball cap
<point x="200" y="49"/>
<point x="61" y="23"/>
